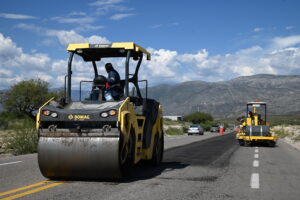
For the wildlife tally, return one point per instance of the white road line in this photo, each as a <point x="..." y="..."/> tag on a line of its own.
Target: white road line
<point x="255" y="163"/>
<point x="254" y="182"/>
<point x="256" y="155"/>
<point x="10" y="163"/>
<point x="256" y="147"/>
<point x="256" y="150"/>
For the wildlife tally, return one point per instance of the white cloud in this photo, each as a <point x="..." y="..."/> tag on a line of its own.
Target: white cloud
<point x="104" y="7"/>
<point x="87" y="27"/>
<point x="105" y="2"/>
<point x="30" y="27"/>
<point x="77" y="13"/>
<point x="162" y="68"/>
<point x="170" y="66"/>
<point x="283" y="42"/>
<point x="258" y="29"/>
<point x="4" y="73"/>
<point x="66" y="37"/>
<point x="285" y="61"/>
<point x="17" y="65"/>
<point x="289" y="27"/>
<point x="58" y="66"/>
<point x="16" y="16"/>
<point x="251" y="50"/>
<point x="74" y="20"/>
<point x="12" y="56"/>
<point x="8" y="49"/>
<point x="44" y="76"/>
<point x="199" y="57"/>
<point x="121" y="16"/>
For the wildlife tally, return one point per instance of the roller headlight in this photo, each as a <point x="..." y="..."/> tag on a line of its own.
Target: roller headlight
<point x="104" y="114"/>
<point x="112" y="112"/>
<point x="46" y="112"/>
<point x="54" y="115"/>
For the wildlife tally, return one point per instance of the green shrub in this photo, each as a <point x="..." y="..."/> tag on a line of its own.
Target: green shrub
<point x="11" y="120"/>
<point x="27" y="96"/>
<point x="171" y="122"/>
<point x="281" y="133"/>
<point x="198" y="117"/>
<point x="185" y="129"/>
<point x="206" y="127"/>
<point x="297" y="138"/>
<point x="3" y="124"/>
<point x="23" y="140"/>
<point x="174" y="131"/>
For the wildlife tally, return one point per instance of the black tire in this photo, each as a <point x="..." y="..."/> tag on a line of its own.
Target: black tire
<point x="247" y="143"/>
<point x="158" y="150"/>
<point x="272" y="144"/>
<point x="127" y="156"/>
<point x="241" y="142"/>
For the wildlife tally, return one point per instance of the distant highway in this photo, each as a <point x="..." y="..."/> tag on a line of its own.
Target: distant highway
<point x="194" y="167"/>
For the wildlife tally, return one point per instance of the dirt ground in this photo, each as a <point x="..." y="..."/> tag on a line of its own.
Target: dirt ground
<point x="292" y="133"/>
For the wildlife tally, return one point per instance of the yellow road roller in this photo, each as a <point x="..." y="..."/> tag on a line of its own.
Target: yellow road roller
<point x="254" y="127"/>
<point x="98" y="137"/>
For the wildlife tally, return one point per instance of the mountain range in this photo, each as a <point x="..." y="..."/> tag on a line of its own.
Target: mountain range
<point x="228" y="98"/>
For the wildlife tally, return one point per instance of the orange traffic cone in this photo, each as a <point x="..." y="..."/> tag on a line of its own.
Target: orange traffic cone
<point x="221" y="130"/>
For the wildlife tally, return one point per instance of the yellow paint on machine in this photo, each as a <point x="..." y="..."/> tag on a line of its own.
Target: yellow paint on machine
<point x="127" y="119"/>
<point x="73" y="47"/>
<point x="251" y="138"/>
<point x="47" y="186"/>
<point x="121" y="45"/>
<point x="38" y="116"/>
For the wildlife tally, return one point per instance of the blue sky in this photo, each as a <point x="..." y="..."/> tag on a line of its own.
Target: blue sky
<point x="208" y="40"/>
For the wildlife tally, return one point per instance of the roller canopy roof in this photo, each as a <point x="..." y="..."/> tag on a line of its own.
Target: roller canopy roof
<point x="260" y="103"/>
<point x="94" y="52"/>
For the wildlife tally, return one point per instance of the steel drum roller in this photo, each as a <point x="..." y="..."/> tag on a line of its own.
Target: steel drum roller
<point x="79" y="157"/>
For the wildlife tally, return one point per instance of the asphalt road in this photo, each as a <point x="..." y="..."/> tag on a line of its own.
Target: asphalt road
<point x="194" y="167"/>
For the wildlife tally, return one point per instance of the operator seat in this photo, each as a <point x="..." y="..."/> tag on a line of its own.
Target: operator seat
<point x="98" y="88"/>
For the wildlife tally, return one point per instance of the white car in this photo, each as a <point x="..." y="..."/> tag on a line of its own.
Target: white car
<point x="195" y="129"/>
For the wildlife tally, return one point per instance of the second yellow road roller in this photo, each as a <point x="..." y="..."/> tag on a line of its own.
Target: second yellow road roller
<point x="254" y="127"/>
<point x="102" y="135"/>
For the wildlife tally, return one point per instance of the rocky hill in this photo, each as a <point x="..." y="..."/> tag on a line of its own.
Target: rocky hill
<point x="228" y="98"/>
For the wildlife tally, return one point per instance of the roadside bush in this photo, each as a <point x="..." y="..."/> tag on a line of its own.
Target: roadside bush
<point x="27" y="96"/>
<point x="185" y="129"/>
<point x="297" y="138"/>
<point x="23" y="140"/>
<point x="174" y="131"/>
<point x="206" y="127"/>
<point x="198" y="117"/>
<point x="281" y="133"/>
<point x="170" y="122"/>
<point x="3" y="124"/>
<point x="4" y="120"/>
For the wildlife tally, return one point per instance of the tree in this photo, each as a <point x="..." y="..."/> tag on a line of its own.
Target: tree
<point x="27" y="96"/>
<point x="198" y="117"/>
